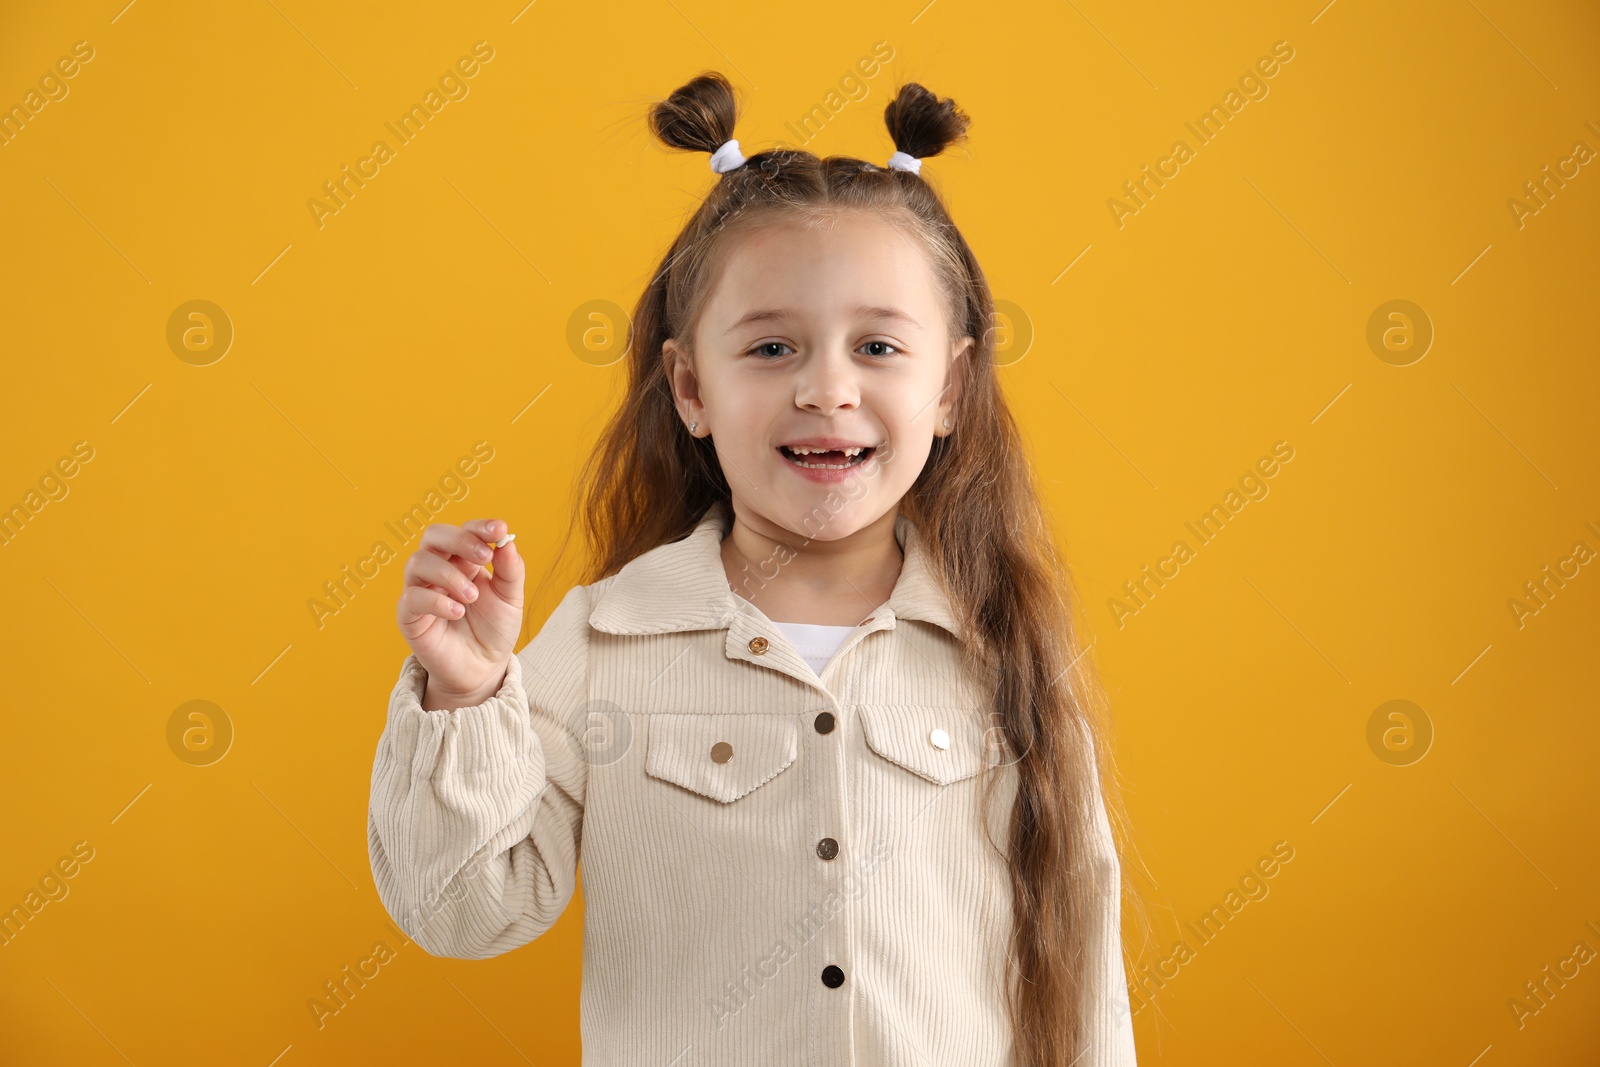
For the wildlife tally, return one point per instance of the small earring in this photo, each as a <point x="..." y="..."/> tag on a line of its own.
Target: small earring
<point x="947" y="424"/>
<point x="692" y="425"/>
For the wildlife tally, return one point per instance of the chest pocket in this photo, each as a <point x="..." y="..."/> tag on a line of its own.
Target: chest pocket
<point x="941" y="743"/>
<point x="722" y="757"/>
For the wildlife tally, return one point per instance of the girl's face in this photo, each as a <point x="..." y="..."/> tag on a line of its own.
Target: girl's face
<point x="823" y="337"/>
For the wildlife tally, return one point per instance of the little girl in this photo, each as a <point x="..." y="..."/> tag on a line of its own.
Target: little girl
<point x="816" y="726"/>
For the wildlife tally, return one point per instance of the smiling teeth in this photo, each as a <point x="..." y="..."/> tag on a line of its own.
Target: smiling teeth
<point x="853" y="457"/>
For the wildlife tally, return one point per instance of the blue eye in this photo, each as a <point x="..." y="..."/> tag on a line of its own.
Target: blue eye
<point x="885" y="344"/>
<point x="757" y="350"/>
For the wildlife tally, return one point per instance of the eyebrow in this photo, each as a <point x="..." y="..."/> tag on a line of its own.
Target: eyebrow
<point x="785" y="315"/>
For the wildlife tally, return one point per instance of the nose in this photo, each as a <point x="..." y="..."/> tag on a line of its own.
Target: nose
<point x="827" y="381"/>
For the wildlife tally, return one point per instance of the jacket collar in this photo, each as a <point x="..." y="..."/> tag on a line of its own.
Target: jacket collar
<point x="682" y="585"/>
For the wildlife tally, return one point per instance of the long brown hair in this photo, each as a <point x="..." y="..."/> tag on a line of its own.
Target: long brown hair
<point x="974" y="504"/>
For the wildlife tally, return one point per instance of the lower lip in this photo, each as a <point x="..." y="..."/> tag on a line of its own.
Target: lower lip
<point x="826" y="475"/>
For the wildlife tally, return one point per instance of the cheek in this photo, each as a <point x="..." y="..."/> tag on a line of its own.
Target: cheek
<point x="899" y="468"/>
<point x="741" y="412"/>
<point x="912" y="407"/>
<point x="912" y="417"/>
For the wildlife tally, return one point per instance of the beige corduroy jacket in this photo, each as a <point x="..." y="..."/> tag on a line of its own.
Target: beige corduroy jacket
<point x="778" y="868"/>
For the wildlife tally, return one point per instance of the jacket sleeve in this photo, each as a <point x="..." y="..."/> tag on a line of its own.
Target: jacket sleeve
<point x="476" y="815"/>
<point x="1107" y="1011"/>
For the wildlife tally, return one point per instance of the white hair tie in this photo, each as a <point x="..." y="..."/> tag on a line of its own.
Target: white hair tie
<point x="727" y="158"/>
<point x="902" y="161"/>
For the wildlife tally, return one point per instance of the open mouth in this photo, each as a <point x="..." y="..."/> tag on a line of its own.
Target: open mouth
<point x="830" y="459"/>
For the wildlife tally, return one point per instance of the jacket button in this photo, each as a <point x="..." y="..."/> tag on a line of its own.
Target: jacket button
<point x="832" y="977"/>
<point x="825" y="723"/>
<point x="940" y="739"/>
<point x="758" y="645"/>
<point x="721" y="752"/>
<point x="827" y="848"/>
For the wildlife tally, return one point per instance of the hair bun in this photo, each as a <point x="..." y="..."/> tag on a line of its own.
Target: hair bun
<point x="699" y="116"/>
<point x="923" y="125"/>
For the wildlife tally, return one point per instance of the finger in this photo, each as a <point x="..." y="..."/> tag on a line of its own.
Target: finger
<point x="467" y="541"/>
<point x="486" y="529"/>
<point x="419" y="601"/>
<point x="430" y="569"/>
<point x="484" y="533"/>
<point x="508" y="568"/>
<point x="435" y="547"/>
<point x="466" y="567"/>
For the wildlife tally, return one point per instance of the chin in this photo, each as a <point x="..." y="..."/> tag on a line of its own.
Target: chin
<point x="828" y="518"/>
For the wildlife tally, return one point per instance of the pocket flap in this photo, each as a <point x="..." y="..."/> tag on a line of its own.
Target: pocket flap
<point x="719" y="756"/>
<point x="942" y="744"/>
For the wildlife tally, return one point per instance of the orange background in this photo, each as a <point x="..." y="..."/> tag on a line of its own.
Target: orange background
<point x="434" y="310"/>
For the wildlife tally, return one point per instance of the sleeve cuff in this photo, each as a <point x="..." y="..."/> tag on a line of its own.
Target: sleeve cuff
<point x="478" y="737"/>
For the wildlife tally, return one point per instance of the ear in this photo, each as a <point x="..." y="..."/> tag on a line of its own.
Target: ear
<point x="955" y="372"/>
<point x="685" y="386"/>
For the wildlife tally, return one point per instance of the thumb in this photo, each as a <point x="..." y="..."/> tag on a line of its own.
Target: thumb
<point x="509" y="570"/>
